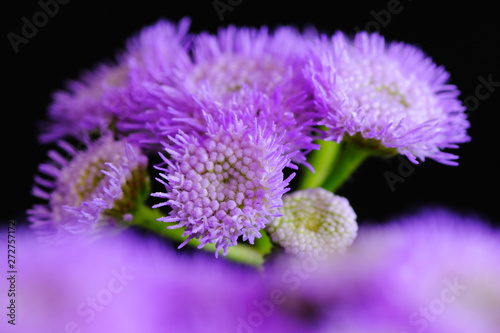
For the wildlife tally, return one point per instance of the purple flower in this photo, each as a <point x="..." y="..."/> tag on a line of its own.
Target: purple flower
<point x="250" y="67"/>
<point x="127" y="283"/>
<point x="226" y="183"/>
<point x="159" y="55"/>
<point x="118" y="95"/>
<point x="434" y="272"/>
<point x="246" y="58"/>
<point x="97" y="188"/>
<point x="391" y="93"/>
<point x="82" y="106"/>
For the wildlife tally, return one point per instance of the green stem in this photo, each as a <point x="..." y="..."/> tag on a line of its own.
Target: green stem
<point x="146" y="217"/>
<point x="351" y="155"/>
<point x="322" y="162"/>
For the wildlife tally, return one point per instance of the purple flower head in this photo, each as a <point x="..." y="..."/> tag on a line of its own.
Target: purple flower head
<point x="237" y="59"/>
<point x="259" y="107"/>
<point x="226" y="183"/>
<point x="97" y="188"/>
<point x="82" y="106"/>
<point x="119" y="94"/>
<point x="314" y="221"/>
<point x="245" y="66"/>
<point x="391" y="93"/>
<point x="158" y="56"/>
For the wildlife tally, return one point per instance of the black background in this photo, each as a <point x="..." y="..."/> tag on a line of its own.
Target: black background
<point x="463" y="37"/>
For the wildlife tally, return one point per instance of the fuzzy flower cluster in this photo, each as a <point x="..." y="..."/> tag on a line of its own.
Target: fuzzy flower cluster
<point x="166" y="79"/>
<point x="314" y="220"/>
<point x="235" y="109"/>
<point x="96" y="188"/>
<point x="231" y="115"/>
<point x="226" y="183"/>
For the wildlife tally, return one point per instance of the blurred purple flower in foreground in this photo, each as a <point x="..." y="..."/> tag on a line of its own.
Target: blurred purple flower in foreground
<point x="128" y="283"/>
<point x="392" y="93"/>
<point x="434" y="272"/>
